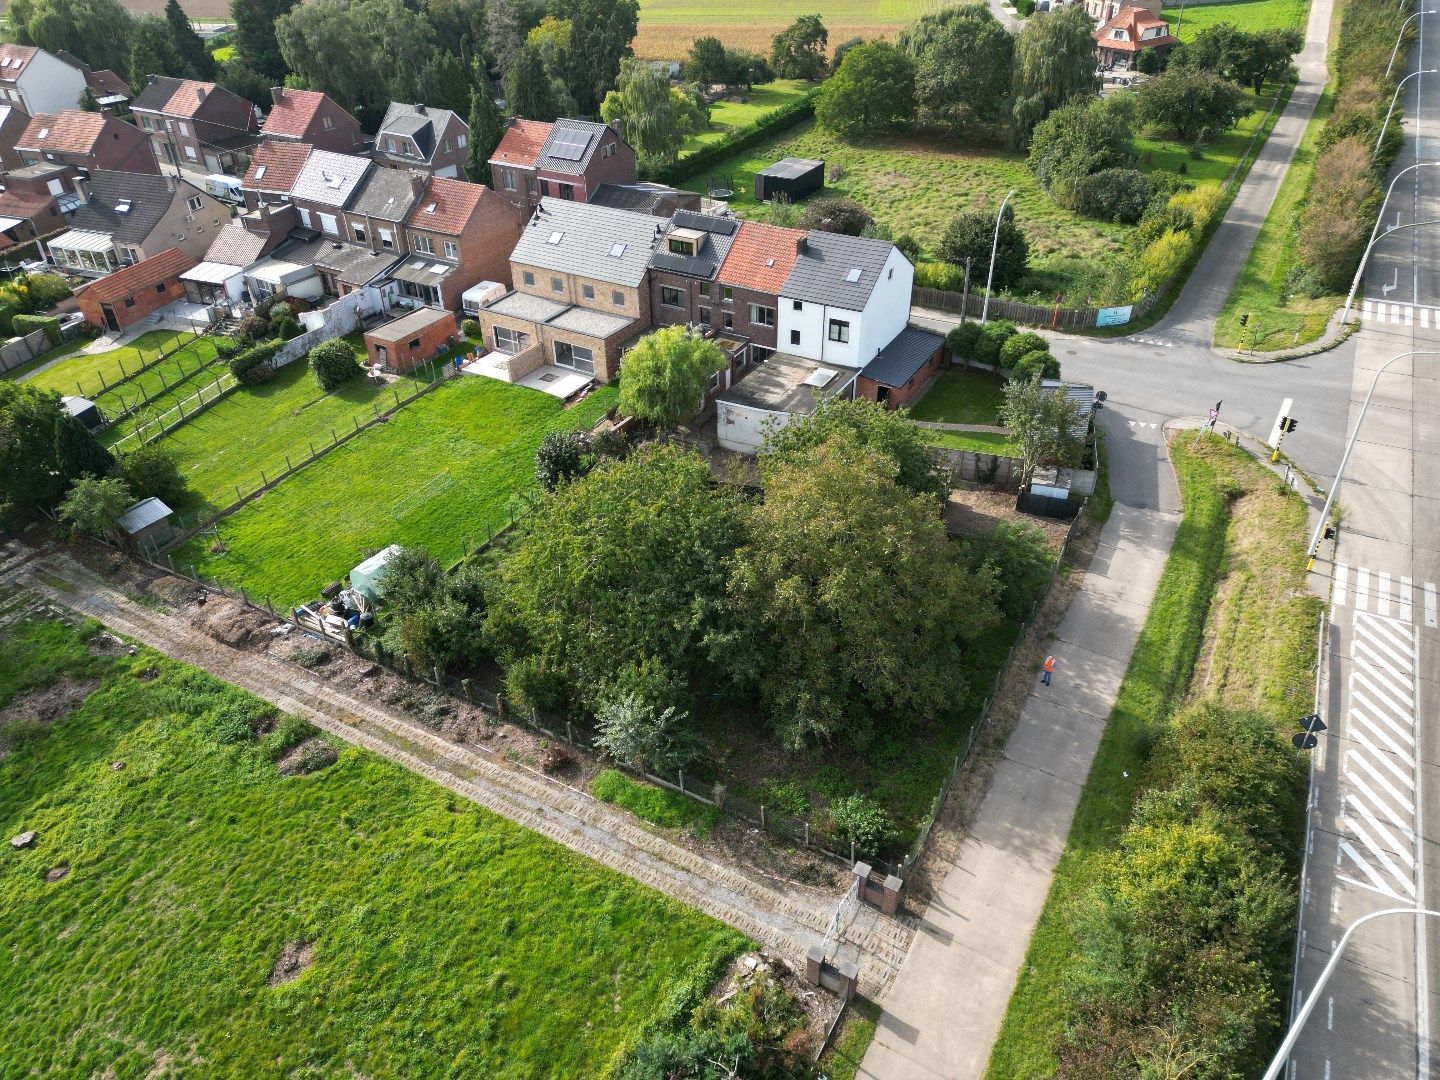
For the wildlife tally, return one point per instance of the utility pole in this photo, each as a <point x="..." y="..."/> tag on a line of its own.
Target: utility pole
<point x="994" y="246"/>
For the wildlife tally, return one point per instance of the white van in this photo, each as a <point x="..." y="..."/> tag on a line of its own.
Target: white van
<point x="224" y="187"/>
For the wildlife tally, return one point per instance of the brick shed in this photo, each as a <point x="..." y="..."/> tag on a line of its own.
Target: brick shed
<point x="128" y="295"/>
<point x="903" y="370"/>
<point x="411" y="339"/>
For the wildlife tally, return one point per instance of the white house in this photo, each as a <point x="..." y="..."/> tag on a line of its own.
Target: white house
<point x="845" y="299"/>
<point x="38" y="81"/>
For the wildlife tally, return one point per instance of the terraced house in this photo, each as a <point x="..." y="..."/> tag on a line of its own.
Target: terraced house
<point x="86" y="142"/>
<point x="569" y="159"/>
<point x="308" y="116"/>
<point x="419" y="137"/>
<point x="197" y="125"/>
<point x="273" y="170"/>
<point x="130" y="217"/>
<point x="457" y="234"/>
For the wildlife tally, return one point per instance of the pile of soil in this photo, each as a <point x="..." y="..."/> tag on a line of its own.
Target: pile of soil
<point x="231" y="622"/>
<point x="293" y="959"/>
<point x="51" y="703"/>
<point x="172" y="590"/>
<point x="310" y="756"/>
<point x="106" y="644"/>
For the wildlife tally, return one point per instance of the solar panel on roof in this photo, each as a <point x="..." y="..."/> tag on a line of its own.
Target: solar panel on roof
<point x="569" y="145"/>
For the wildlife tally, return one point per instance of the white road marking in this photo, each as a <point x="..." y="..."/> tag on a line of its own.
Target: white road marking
<point x="1382" y="585"/>
<point x="1431" y="617"/>
<point x="1342" y="582"/>
<point x="1406" y="595"/>
<point x="1362" y="589"/>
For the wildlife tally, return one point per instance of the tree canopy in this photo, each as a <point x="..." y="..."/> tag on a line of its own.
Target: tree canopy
<point x="871" y="93"/>
<point x="256" y="44"/>
<point x="1192" y="104"/>
<point x="97" y="31"/>
<point x="530" y="91"/>
<point x="44" y="448"/>
<point x="1042" y="424"/>
<point x="487" y="128"/>
<point x="94" y="504"/>
<point x="664" y="377"/>
<point x="199" y="64"/>
<point x="798" y="51"/>
<point x="601" y="33"/>
<point x="964" y="63"/>
<point x="1082" y="137"/>
<point x="656" y="117"/>
<point x="1242" y="56"/>
<point x="973" y="235"/>
<point x="1054" y="62"/>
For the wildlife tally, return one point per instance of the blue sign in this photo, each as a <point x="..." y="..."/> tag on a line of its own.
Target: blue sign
<point x="1113" y="316"/>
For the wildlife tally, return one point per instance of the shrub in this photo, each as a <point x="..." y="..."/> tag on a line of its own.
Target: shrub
<point x="252" y="365"/>
<point x="1120" y="195"/>
<point x="46" y="290"/>
<point x="289" y="733"/>
<point x="787" y="797"/>
<point x="638" y="725"/>
<point x="1159" y="220"/>
<point x="1162" y="260"/>
<point x="151" y="470"/>
<point x="334" y="364"/>
<point x="993" y="336"/>
<point x="1022" y="561"/>
<point x="939" y="275"/>
<point x="863" y="822"/>
<point x="561" y="457"/>
<point x="286" y="327"/>
<point x="26" y="324"/>
<point x="963" y="341"/>
<point x="253" y="328"/>
<point x="972" y="235"/>
<point x="471" y="329"/>
<point x="1037" y="364"/>
<point x="1017" y="345"/>
<point x="226" y="347"/>
<point x="835" y="215"/>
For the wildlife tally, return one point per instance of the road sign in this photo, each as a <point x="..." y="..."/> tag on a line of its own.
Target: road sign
<point x="1312" y="722"/>
<point x="1303" y="740"/>
<point x="1114" y="316"/>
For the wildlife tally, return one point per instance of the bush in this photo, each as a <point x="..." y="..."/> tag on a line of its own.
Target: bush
<point x="1021" y="558"/>
<point x="939" y="275"/>
<point x="1162" y="260"/>
<point x="788" y="798"/>
<point x="1017" y="345"/>
<point x="46" y="290"/>
<point x="835" y="215"/>
<point x="993" y="336"/>
<point x="226" y="347"/>
<point x="471" y="329"/>
<point x="964" y="340"/>
<point x="289" y="733"/>
<point x="151" y="470"/>
<point x="561" y="457"/>
<point x="1120" y="195"/>
<point x="863" y="822"/>
<point x="252" y="365"/>
<point x="972" y="235"/>
<point x="286" y="327"/>
<point x="639" y="725"/>
<point x="253" y="328"/>
<point x="1037" y="364"/>
<point x="21" y="325"/>
<point x="334" y="364"/>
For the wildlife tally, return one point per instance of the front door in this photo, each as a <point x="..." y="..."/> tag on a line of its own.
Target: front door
<point x="110" y="321"/>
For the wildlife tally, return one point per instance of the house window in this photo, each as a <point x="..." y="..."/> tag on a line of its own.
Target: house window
<point x="609" y="150"/>
<point x="544" y="187"/>
<point x="669" y="296"/>
<point x="447" y="146"/>
<point x="704" y="316"/>
<point x="359" y="231"/>
<point x="190" y="153"/>
<point x="567" y="191"/>
<point x="727" y="294"/>
<point x="387" y="238"/>
<point x="761" y="316"/>
<point x="414" y="344"/>
<point x="129" y="301"/>
<point x="160" y="288"/>
<point x="575" y="357"/>
<point x="705" y="290"/>
<point x="305" y="218"/>
<point x="329" y="225"/>
<point x="451" y="251"/>
<point x="510" y="341"/>
<point x="716" y="379"/>
<point x="528" y="278"/>
<point x="587" y="291"/>
<point x="556" y="285"/>
<point x="327" y="123"/>
<point x="681" y="247"/>
<point x="797" y="305"/>
<point x="507" y="179"/>
<point x="424" y="244"/>
<point x="794" y="337"/>
<point x="839" y="330"/>
<point x="891" y="274"/>
<point x="428" y="293"/>
<point x="729" y="321"/>
<point x="617" y="298"/>
<point x="184" y="129"/>
<point x="195" y="203"/>
<point x="462" y="141"/>
<point x="389" y="145"/>
<point x="145" y="122"/>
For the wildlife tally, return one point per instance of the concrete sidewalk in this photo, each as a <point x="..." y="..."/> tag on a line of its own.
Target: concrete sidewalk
<point x="945" y="1007"/>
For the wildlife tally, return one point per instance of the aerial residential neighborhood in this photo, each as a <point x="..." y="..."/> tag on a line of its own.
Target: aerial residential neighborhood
<point x="600" y="539"/>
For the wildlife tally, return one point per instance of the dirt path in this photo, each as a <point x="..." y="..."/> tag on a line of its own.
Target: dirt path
<point x="788" y="920"/>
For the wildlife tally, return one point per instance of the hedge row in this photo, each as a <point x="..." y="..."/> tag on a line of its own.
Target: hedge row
<point x="741" y="138"/>
<point x="253" y="364"/>
<point x="26" y="324"/>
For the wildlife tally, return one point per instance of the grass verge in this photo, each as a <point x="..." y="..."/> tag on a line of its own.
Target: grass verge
<point x="1231" y="618"/>
<point x="441" y="940"/>
<point x="657" y="805"/>
<point x="842" y="1060"/>
<point x="762" y="99"/>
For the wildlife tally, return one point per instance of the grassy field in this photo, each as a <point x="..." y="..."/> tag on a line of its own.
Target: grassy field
<point x="252" y="430"/>
<point x="1248" y="15"/>
<point x="177" y="377"/>
<point x="88" y="374"/>
<point x="443" y="940"/>
<point x="1231" y="618"/>
<point x="764" y="98"/>
<point x="667" y="27"/>
<point x="1218" y="157"/>
<point x="441" y="472"/>
<point x="961" y="396"/>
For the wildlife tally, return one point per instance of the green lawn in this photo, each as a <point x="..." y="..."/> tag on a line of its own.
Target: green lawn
<point x="253" y="429"/>
<point x="1248" y="15"/>
<point x="225" y="52"/>
<point x="981" y="442"/>
<point x="763" y="98"/>
<point x="441" y="473"/>
<point x="1218" y="157"/>
<point x="1232" y="598"/>
<point x="190" y="366"/>
<point x="446" y="941"/>
<point x="88" y="374"/>
<point x="961" y="396"/>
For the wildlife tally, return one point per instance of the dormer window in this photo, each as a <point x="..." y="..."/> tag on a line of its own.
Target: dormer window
<point x="1117" y="35"/>
<point x="682" y="247"/>
<point x="44" y="133"/>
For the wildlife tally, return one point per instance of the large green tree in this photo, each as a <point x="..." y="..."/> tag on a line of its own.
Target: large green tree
<point x="94" y="504"/>
<point x="708" y="62"/>
<point x="97" y="31"/>
<point x="152" y="52"/>
<point x="1042" y="423"/>
<point x="871" y="93"/>
<point x="256" y="44"/>
<point x="529" y="89"/>
<point x="1086" y="136"/>
<point x="798" y="51"/>
<point x="487" y="128"/>
<point x="624" y="567"/>
<point x="330" y="49"/>
<point x="1192" y="104"/>
<point x="964" y="63"/>
<point x="1054" y="62"/>
<point x="43" y="447"/>
<point x="448" y="84"/>
<point x="973" y="236"/>
<point x="1244" y="57"/>
<point x="199" y="63"/>
<point x="860" y="604"/>
<point x="655" y="117"/>
<point x="600" y="37"/>
<point x="666" y="374"/>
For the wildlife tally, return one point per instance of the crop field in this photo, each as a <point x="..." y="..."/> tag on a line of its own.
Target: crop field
<point x="253" y="429"/>
<point x="88" y="374"/>
<point x="667" y="27"/>
<point x="442" y="472"/>
<point x="762" y="99"/>
<point x="427" y="937"/>
<point x="1248" y="15"/>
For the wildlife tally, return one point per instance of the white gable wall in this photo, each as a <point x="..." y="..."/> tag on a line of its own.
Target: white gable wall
<point x="886" y="312"/>
<point x="49" y="85"/>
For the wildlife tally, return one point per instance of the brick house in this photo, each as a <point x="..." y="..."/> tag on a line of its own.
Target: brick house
<point x="272" y="172"/>
<point x="130" y="217"/>
<point x="309" y="116"/>
<point x="747" y="286"/>
<point x="903" y="370"/>
<point x="459" y="234"/>
<point x="383" y="200"/>
<point x="1132" y="31"/>
<point x="131" y="294"/>
<point x="581" y="289"/>
<point x="574" y="159"/>
<point x="684" y="266"/>
<point x="111" y="92"/>
<point x="24" y="217"/>
<point x="412" y="339"/>
<point x="435" y="141"/>
<point x="91" y="142"/>
<point x="38" y="81"/>
<point x="13" y="122"/>
<point x="324" y="187"/>
<point x="197" y="125"/>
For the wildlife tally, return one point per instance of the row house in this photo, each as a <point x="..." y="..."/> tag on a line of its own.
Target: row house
<point x="90" y="142"/>
<point x="236" y="249"/>
<point x="126" y="218"/>
<point x="376" y="216"/>
<point x="273" y="170"/>
<point x="457" y="234"/>
<point x="581" y="291"/>
<point x="13" y="122"/>
<point x="39" y="81"/>
<point x="25" y="217"/>
<point x="569" y="159"/>
<point x="324" y="187"/>
<point x="684" y="290"/>
<point x="308" y="116"/>
<point x="435" y="141"/>
<point x="197" y="125"/>
<point x="110" y="91"/>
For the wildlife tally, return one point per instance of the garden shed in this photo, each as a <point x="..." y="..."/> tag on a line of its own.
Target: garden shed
<point x="412" y="339"/>
<point x="365" y="578"/>
<point x="794" y="178"/>
<point x="146" y="523"/>
<point x="84" y="410"/>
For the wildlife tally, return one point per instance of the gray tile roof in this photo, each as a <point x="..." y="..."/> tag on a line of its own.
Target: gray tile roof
<point x="385" y="195"/>
<point x="582" y="135"/>
<point x="820" y="274"/>
<point x="148" y="196"/>
<point x="592" y="241"/>
<point x="518" y="305"/>
<point x="157" y="93"/>
<point x="717" y="235"/>
<point x="423" y="127"/>
<point x="330" y="178"/>
<point x="596" y="324"/>
<point x="354" y="262"/>
<point x="236" y="245"/>
<point x="647" y="198"/>
<point x="897" y="363"/>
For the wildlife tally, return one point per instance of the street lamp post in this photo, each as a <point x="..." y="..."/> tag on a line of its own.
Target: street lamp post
<point x="1379" y="218"/>
<point x="994" y="246"/>
<point x="1400" y="35"/>
<point x="1340" y="472"/>
<point x="1277" y="1065"/>
<point x="1350" y="300"/>
<point x="1393" y="99"/>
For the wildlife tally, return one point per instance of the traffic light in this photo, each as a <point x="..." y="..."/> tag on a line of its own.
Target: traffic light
<point x="1291" y="423"/>
<point x="1245" y="319"/>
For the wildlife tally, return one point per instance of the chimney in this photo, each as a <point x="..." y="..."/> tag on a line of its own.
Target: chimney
<point x="82" y="189"/>
<point x="150" y="80"/>
<point x="800" y="245"/>
<point x="277" y="94"/>
<point x="417" y="184"/>
<point x="421" y="110"/>
<point x="618" y="126"/>
<point x="170" y="182"/>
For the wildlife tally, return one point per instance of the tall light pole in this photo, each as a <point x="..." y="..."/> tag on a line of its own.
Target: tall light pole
<point x="994" y="246"/>
<point x="1400" y="35"/>
<point x="1379" y="218"/>
<point x="1364" y="258"/>
<point x="1393" y="99"/>
<point x="1292" y="1036"/>
<point x="1340" y="472"/>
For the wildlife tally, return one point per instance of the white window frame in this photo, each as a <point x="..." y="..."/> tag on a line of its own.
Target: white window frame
<point x="329" y="224"/>
<point x="839" y="332"/>
<point x="452" y="250"/>
<point x="424" y="245"/>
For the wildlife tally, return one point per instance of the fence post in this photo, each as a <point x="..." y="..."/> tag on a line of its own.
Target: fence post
<point x="334" y="439"/>
<point x="263" y="480"/>
<point x="807" y="833"/>
<point x="238" y="496"/>
<point x="570" y="731"/>
<point x="288" y="466"/>
<point x="181" y="407"/>
<point x="312" y="448"/>
<point x="465" y="686"/>
<point x="357" y="422"/>
<point x="762" y="815"/>
<point x="500" y="707"/>
<point x="852" y="852"/>
<point x="244" y="595"/>
<point x="269" y="606"/>
<point x="681" y="773"/>
<point x="437" y="675"/>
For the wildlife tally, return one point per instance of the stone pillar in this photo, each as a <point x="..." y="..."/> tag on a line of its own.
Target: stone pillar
<point x="849" y="973"/>
<point x="814" y="961"/>
<point x="890" y="896"/>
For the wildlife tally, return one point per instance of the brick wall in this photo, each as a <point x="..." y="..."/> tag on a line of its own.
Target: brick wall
<point x="146" y="301"/>
<point x="402" y="355"/>
<point x="636" y="303"/>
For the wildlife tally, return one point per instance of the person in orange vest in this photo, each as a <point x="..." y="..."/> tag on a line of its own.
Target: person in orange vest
<point x="1049" y="670"/>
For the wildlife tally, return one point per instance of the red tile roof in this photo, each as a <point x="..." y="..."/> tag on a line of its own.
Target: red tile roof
<point x="188" y="97"/>
<point x="1134" y="21"/>
<point x="18" y="204"/>
<point x="146" y="274"/>
<point x="760" y="257"/>
<point x="105" y="83"/>
<point x="13" y="59"/>
<point x="281" y="162"/>
<point x="71" y="132"/>
<point x="293" y="114"/>
<point x="522" y="143"/>
<point x="446" y="205"/>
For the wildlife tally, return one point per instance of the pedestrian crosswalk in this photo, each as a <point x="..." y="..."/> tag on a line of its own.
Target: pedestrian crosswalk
<point x="1380" y="311"/>
<point x="1384" y="594"/>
